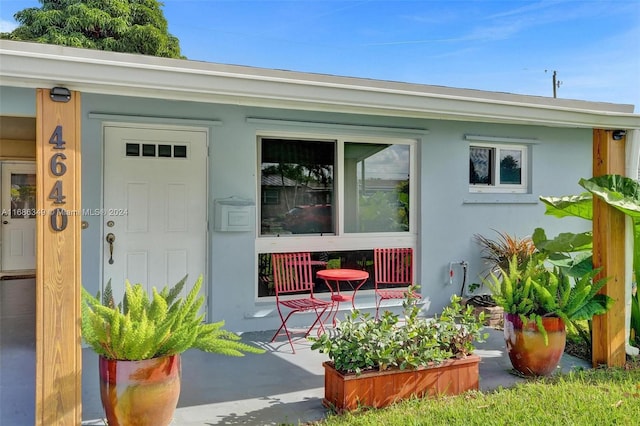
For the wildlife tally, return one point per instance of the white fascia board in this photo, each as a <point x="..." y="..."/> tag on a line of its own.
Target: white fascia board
<point x="36" y="65"/>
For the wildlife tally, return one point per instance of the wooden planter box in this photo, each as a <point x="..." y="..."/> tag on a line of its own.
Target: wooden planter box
<point x="381" y="388"/>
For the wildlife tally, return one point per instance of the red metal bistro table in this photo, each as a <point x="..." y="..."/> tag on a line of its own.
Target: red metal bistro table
<point x="355" y="278"/>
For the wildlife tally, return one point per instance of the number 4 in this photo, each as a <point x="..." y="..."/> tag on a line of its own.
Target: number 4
<point x="56" y="193"/>
<point x="56" y="138"/>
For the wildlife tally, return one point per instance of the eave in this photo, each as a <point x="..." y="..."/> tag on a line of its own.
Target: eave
<point x="36" y="65"/>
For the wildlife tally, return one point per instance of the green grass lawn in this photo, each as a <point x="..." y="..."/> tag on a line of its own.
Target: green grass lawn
<point x="588" y="397"/>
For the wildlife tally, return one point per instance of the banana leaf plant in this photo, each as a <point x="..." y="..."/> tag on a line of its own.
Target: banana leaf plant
<point x="623" y="194"/>
<point x="635" y="318"/>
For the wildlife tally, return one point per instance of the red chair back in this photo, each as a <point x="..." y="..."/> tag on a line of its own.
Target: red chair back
<point x="292" y="272"/>
<point x="393" y="266"/>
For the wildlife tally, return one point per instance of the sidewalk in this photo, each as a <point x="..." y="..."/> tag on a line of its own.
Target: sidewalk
<point x="277" y="387"/>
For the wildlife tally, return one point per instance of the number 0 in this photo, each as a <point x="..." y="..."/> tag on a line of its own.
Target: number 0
<point x="59" y="225"/>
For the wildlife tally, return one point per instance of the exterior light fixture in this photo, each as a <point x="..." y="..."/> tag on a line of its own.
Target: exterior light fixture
<point x="618" y="134"/>
<point x="60" y="94"/>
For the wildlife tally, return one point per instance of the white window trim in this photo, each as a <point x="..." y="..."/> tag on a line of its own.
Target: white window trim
<point x="498" y="187"/>
<point x="341" y="240"/>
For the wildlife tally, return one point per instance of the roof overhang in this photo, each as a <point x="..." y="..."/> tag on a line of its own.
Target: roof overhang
<point x="34" y="65"/>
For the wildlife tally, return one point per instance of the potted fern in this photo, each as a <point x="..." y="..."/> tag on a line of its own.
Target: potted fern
<point x="538" y="303"/>
<point x="139" y="343"/>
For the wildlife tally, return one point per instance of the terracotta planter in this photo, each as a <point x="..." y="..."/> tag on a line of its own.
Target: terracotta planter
<point x="381" y="388"/>
<point x="136" y="393"/>
<point x="526" y="347"/>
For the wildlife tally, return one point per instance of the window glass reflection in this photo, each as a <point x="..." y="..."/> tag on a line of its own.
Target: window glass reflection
<point x="23" y="195"/>
<point x="349" y="259"/>
<point x="297" y="186"/>
<point x="480" y="165"/>
<point x="376" y="185"/>
<point x="511" y="167"/>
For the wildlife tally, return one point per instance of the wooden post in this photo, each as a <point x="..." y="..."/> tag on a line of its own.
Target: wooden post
<point x="58" y="225"/>
<point x="608" y="345"/>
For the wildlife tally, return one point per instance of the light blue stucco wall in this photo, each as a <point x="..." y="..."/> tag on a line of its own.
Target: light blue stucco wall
<point x="447" y="220"/>
<point x="17" y="101"/>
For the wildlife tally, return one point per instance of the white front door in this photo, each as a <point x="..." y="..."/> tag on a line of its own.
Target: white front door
<point x="155" y="206"/>
<point x="18" y="227"/>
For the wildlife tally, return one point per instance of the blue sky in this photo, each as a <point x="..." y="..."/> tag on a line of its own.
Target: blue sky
<point x="504" y="46"/>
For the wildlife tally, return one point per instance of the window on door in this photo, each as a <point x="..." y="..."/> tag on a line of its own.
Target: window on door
<point x="23" y="195"/>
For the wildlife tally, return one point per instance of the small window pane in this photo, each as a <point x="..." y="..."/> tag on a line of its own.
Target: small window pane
<point x="23" y="195"/>
<point x="352" y="259"/>
<point x="376" y="185"/>
<point x="270" y="196"/>
<point x="164" y="150"/>
<point x="148" y="150"/>
<point x="180" y="151"/>
<point x="510" y="167"/>
<point x="480" y="165"/>
<point x="133" y="150"/>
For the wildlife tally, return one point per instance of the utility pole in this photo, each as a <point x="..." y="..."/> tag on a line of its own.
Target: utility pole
<point x="556" y="84"/>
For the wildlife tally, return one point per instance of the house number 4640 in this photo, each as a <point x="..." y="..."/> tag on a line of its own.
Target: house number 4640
<point x="58" y="168"/>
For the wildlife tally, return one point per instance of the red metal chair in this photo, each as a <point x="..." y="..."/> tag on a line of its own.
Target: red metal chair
<point x="393" y="269"/>
<point x="292" y="274"/>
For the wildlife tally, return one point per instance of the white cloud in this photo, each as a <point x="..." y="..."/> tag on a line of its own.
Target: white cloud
<point x="7" y="26"/>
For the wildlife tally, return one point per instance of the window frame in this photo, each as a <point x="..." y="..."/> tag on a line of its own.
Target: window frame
<point x="496" y="186"/>
<point x="273" y="200"/>
<point x="340" y="240"/>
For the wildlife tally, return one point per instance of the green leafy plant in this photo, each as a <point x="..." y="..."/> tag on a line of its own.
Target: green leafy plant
<point x="621" y="193"/>
<point x="143" y="327"/>
<point x="635" y="317"/>
<point x="497" y="252"/>
<point x="361" y="342"/>
<point x="533" y="291"/>
<point x="383" y="212"/>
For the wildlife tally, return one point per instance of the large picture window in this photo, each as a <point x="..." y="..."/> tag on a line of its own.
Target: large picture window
<point x="299" y="186"/>
<point x="336" y="197"/>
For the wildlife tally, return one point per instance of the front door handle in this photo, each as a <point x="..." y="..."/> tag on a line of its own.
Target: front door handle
<point x="110" y="239"/>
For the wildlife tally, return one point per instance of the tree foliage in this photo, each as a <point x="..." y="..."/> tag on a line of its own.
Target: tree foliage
<point x="133" y="26"/>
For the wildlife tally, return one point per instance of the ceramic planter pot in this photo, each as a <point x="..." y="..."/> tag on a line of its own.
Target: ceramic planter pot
<point x="526" y="346"/>
<point x="382" y="388"/>
<point x="136" y="393"/>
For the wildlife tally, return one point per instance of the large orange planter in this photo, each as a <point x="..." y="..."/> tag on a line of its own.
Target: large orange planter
<point x="140" y="393"/>
<point x="381" y="388"/>
<point x="526" y="346"/>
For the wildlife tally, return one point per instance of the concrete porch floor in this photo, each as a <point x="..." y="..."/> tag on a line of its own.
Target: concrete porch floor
<point x="273" y="388"/>
<point x="277" y="387"/>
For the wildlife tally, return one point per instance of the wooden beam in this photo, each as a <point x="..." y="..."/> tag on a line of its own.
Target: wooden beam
<point x="58" y="351"/>
<point x="608" y="345"/>
<point x="11" y="149"/>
